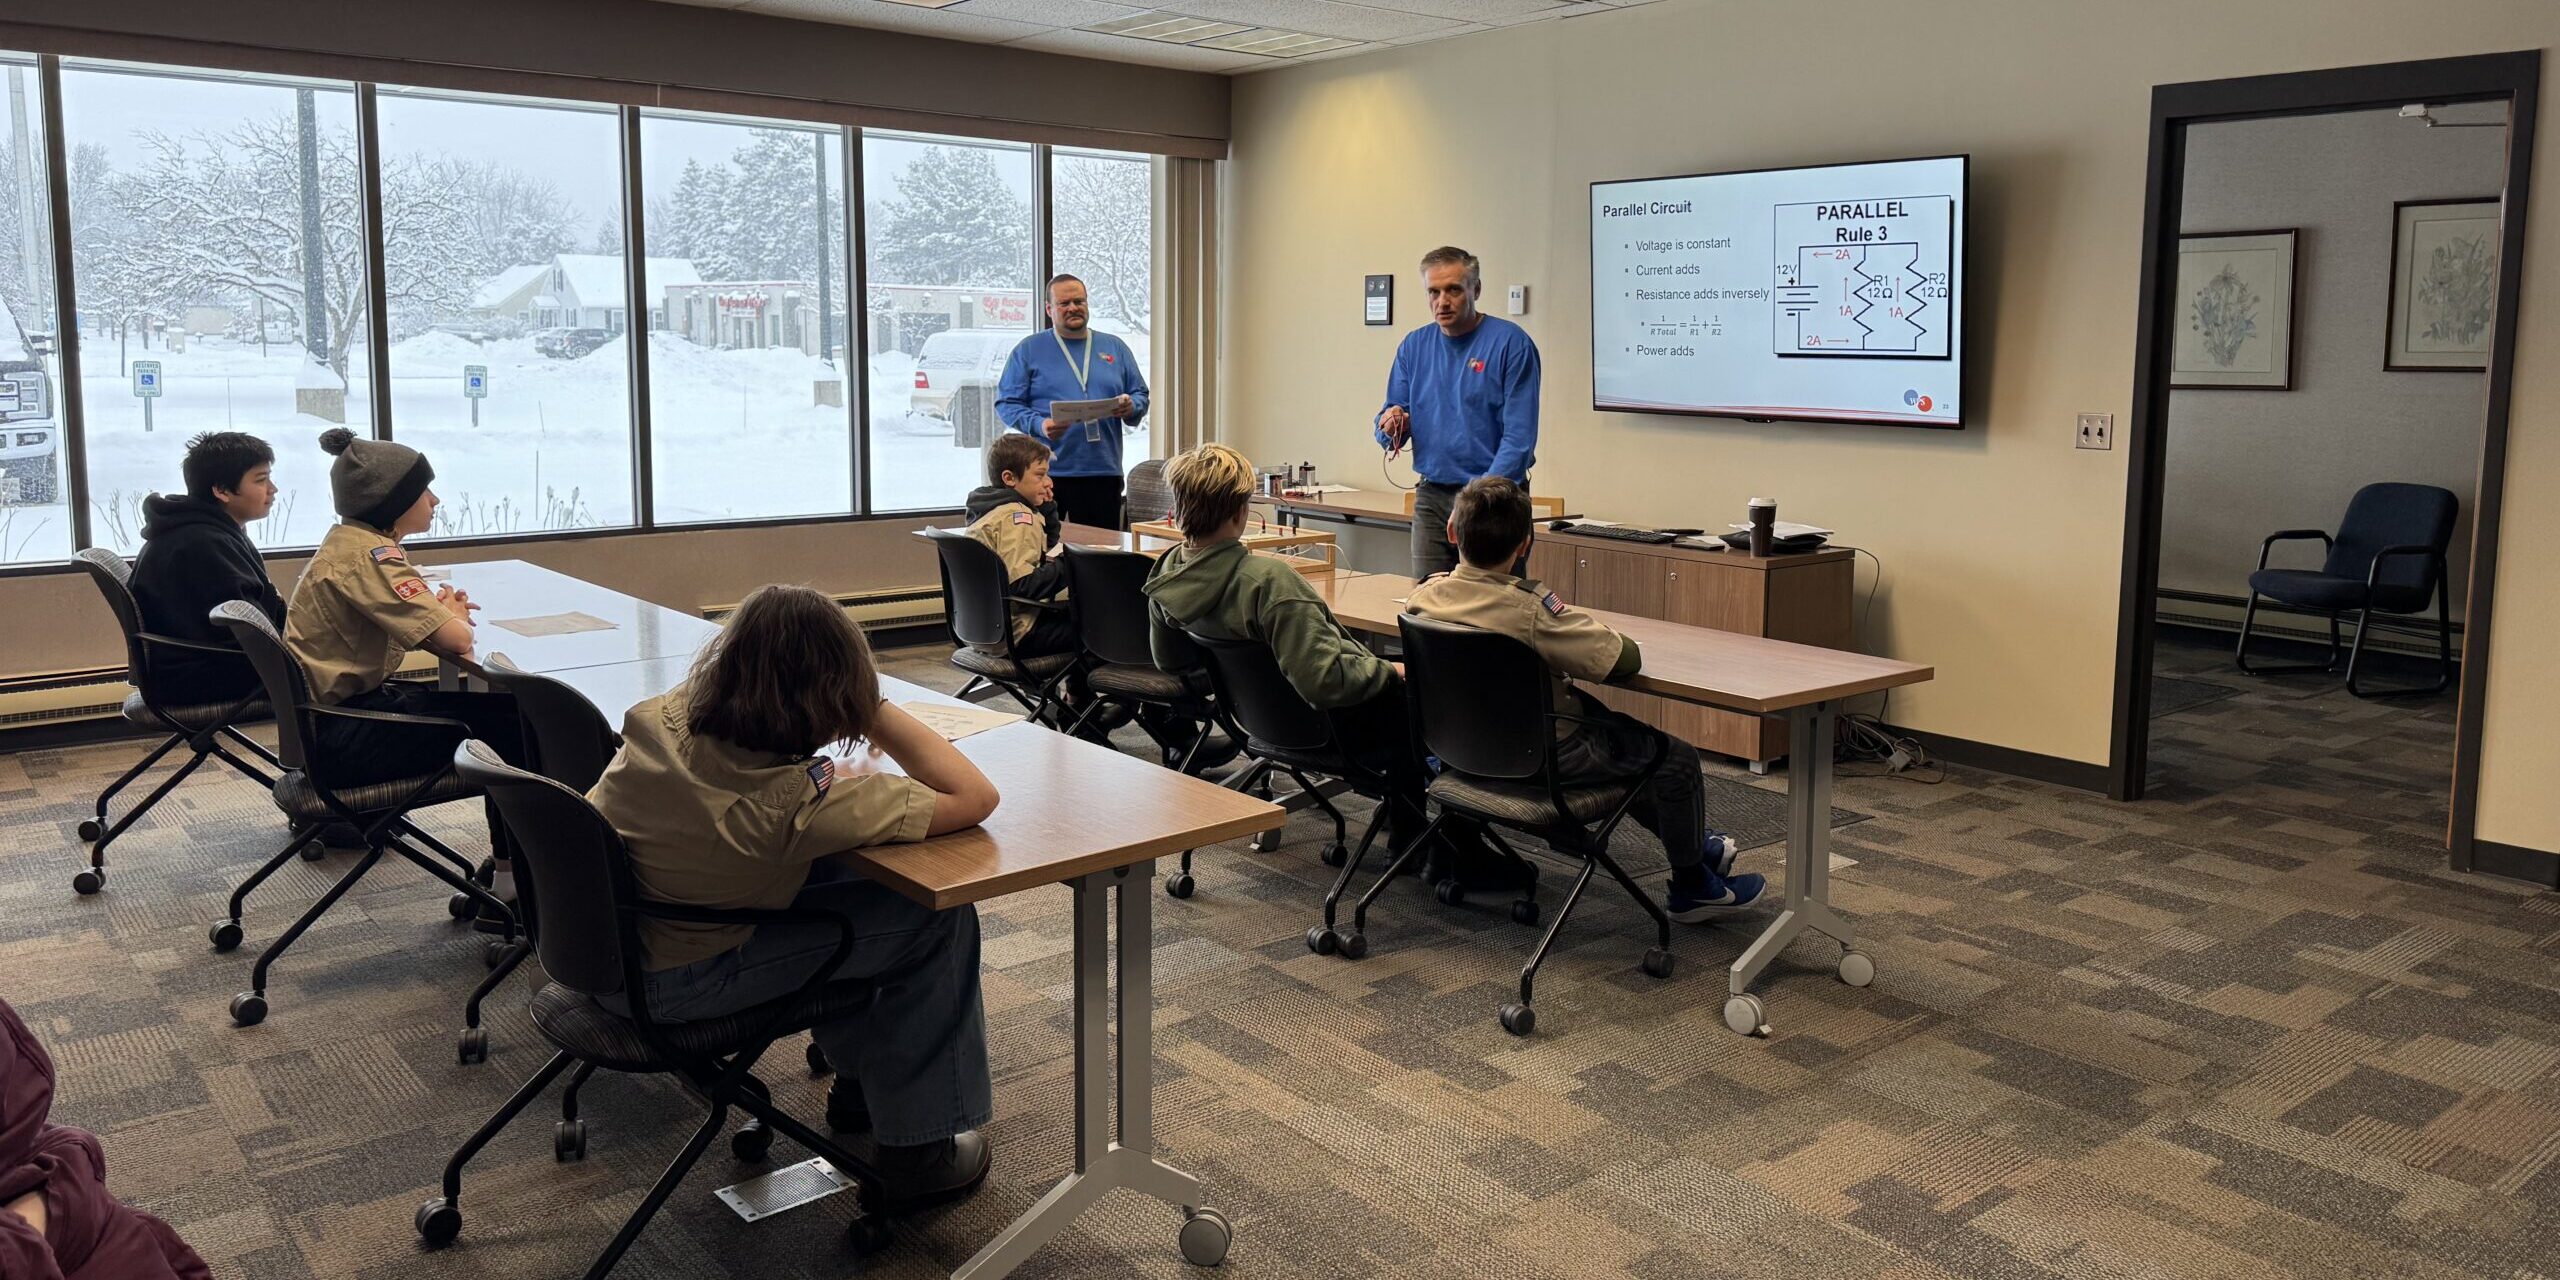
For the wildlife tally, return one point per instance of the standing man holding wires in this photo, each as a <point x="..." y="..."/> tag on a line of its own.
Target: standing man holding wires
<point x="1464" y="393"/>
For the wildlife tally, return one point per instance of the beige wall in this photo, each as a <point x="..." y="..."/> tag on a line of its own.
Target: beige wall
<point x="2001" y="544"/>
<point x="55" y="622"/>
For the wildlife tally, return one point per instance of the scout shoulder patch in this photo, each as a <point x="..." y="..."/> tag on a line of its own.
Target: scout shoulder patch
<point x="822" y="773"/>
<point x="1551" y="604"/>
<point x="410" y="588"/>
<point x="389" y="553"/>
<point x="1025" y="517"/>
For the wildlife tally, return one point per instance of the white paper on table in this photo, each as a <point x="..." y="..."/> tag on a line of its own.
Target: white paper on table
<point x="955" y="723"/>
<point x="1072" y="413"/>
<point x="1315" y="490"/>
<point x="1789" y="529"/>
<point x="553" y="624"/>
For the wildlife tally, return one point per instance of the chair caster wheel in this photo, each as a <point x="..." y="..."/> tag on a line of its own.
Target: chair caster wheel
<point x="569" y="1141"/>
<point x="868" y="1234"/>
<point x="224" y="935"/>
<point x="1323" y="941"/>
<point x="1857" y="968"/>
<point x="751" y="1141"/>
<point x="1746" y="1016"/>
<point x="89" y="881"/>
<point x="1335" y="853"/>
<point x="462" y="906"/>
<point x="472" y="1046"/>
<point x="1263" y="841"/>
<point x="90" y="831"/>
<point x="1178" y="885"/>
<point x="818" y="1064"/>
<point x="1657" y="962"/>
<point x="1519" y="1019"/>
<point x="315" y="851"/>
<point x="438" y="1223"/>
<point x="1524" y="911"/>
<point x="1449" y="892"/>
<point x="248" y="1009"/>
<point x="1205" y="1237"/>
<point x="494" y="953"/>
<point x="1353" y="945"/>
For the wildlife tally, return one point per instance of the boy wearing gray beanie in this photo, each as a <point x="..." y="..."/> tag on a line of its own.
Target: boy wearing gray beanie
<point x="359" y="611"/>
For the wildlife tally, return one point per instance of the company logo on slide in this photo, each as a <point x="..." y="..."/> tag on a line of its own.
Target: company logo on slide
<point x="1910" y="397"/>
<point x="1924" y="404"/>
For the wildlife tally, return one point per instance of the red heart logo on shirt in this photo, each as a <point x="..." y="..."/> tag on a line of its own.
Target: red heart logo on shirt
<point x="1475" y="366"/>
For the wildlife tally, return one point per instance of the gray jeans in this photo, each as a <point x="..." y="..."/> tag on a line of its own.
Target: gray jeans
<point x="1432" y="550"/>
<point x="919" y="1051"/>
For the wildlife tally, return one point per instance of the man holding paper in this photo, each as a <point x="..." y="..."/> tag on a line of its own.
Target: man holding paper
<point x="1081" y="391"/>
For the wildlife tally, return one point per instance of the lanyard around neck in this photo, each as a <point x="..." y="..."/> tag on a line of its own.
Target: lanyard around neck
<point x="1070" y="358"/>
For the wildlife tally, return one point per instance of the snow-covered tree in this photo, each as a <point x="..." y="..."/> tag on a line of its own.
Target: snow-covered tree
<point x="513" y="217"/>
<point x="608" y="236"/>
<point x="1104" y="224"/>
<point x="953" y="222"/>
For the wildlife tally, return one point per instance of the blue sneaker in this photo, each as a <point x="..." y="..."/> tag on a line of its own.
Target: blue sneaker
<point x="1721" y="851"/>
<point x="1720" y="896"/>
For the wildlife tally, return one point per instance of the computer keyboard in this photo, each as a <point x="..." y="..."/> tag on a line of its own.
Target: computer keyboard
<point x="1623" y="533"/>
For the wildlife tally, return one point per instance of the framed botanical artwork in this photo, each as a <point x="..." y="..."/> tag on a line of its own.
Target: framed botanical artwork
<point x="2444" y="284"/>
<point x="2235" y="298"/>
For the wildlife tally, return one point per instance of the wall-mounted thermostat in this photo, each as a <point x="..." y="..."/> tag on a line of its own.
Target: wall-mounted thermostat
<point x="1519" y="299"/>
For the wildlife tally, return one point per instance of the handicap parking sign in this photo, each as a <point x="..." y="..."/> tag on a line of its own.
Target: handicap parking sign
<point x="146" y="379"/>
<point x="475" y="381"/>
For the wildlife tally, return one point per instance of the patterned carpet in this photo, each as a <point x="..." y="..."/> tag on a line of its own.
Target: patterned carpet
<point x="2248" y="1028"/>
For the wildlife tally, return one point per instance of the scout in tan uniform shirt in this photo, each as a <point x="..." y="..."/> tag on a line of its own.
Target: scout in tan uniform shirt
<point x="1491" y="526"/>
<point x="1014" y="514"/>
<point x="724" y="800"/>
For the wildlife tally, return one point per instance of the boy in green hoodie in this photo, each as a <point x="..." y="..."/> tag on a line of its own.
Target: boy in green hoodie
<point x="1213" y="586"/>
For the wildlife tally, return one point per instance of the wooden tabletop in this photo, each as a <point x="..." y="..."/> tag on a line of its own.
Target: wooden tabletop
<point x="513" y="589"/>
<point x="1692" y="664"/>
<point x="1069" y="808"/>
<point x="1361" y="504"/>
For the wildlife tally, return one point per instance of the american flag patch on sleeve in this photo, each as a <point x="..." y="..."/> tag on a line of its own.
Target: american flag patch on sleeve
<point x="1025" y="517"/>
<point x="1551" y="604"/>
<point x="822" y="773"/>
<point x="389" y="554"/>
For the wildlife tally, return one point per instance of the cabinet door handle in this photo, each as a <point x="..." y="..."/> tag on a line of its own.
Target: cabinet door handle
<point x="1675" y="575"/>
<point x="1582" y="564"/>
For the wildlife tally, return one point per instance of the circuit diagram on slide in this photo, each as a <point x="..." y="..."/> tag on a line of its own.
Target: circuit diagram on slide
<point x="1866" y="277"/>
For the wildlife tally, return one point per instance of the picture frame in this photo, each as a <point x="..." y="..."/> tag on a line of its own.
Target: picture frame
<point x="1378" y="300"/>
<point x="2236" y="296"/>
<point x="2444" y="285"/>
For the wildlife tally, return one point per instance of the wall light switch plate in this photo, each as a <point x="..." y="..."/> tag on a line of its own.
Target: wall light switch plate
<point x="1519" y="299"/>
<point x="2097" y="431"/>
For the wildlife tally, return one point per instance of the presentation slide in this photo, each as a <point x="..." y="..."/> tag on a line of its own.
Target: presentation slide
<point x="1828" y="293"/>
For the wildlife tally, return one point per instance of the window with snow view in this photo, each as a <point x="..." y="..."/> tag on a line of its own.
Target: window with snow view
<point x="508" y="297"/>
<point x="1102" y="231"/>
<point x="948" y="230"/>
<point x="218" y="253"/>
<point x="35" y="500"/>
<point x="750" y="398"/>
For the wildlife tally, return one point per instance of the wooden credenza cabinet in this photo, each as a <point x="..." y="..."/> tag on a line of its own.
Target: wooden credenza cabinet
<point x="1804" y="598"/>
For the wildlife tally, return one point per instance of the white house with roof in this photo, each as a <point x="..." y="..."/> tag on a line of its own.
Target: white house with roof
<point x="578" y="291"/>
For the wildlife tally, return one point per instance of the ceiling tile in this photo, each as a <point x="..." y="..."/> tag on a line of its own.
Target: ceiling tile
<point x="1154" y="53"/>
<point x="1049" y="13"/>
<point x="950" y="24"/>
<point x="1462" y="29"/>
<point x="1315" y="17"/>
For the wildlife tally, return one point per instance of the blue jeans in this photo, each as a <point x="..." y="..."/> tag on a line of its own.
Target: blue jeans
<point x="919" y="1050"/>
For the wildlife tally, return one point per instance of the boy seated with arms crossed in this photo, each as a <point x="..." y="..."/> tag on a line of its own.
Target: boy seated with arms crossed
<point x="196" y="554"/>
<point x="1490" y="523"/>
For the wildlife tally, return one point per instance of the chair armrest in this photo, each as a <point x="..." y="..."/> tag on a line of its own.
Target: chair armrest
<point x="199" y="646"/>
<point x="387" y="717"/>
<point x="1029" y="603"/>
<point x="2373" y="573"/>
<point x="2283" y="535"/>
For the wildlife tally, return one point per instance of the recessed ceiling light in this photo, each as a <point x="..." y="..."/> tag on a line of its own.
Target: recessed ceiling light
<point x="1171" y="28"/>
<point x="1276" y="44"/>
<point x="926" y="4"/>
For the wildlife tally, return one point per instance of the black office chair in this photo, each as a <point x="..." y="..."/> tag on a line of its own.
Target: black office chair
<point x="1485" y="703"/>
<point x="1104" y="590"/>
<point x="2388" y="557"/>
<point x="566" y="738"/>
<point x="588" y="929"/>
<point x="379" y="811"/>
<point x="1150" y="498"/>
<point x="201" y="727"/>
<point x="979" y="608"/>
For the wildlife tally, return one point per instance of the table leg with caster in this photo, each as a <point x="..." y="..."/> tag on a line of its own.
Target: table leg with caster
<point x="1808" y="883"/>
<point x="1109" y="1159"/>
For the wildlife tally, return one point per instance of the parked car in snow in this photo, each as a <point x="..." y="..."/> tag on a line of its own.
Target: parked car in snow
<point x="30" y="443"/>
<point x="569" y="344"/>
<point x="957" y="358"/>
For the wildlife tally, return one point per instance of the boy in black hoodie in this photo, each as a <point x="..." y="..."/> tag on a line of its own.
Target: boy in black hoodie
<point x="196" y="554"/>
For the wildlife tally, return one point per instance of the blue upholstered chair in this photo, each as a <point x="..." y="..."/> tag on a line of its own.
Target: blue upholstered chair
<point x="2387" y="557"/>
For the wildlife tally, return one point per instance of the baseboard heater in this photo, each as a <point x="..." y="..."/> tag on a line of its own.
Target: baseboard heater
<point x="59" y="705"/>
<point x="2388" y="633"/>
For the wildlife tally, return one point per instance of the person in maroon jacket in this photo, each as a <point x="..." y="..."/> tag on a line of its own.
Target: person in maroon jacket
<point x="57" y="1221"/>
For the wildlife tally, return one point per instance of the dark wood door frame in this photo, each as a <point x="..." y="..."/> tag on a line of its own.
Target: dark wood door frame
<point x="2511" y="77"/>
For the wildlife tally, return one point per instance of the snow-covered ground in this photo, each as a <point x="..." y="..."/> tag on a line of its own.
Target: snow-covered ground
<point x="737" y="435"/>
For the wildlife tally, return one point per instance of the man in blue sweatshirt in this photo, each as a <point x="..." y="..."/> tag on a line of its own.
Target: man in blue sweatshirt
<point x="1071" y="361"/>
<point x="1464" y="393"/>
